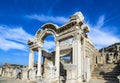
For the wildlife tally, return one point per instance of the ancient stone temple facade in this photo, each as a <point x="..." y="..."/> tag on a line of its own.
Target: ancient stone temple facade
<point x="71" y="40"/>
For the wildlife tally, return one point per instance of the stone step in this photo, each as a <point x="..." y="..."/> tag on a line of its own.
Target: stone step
<point x="97" y="72"/>
<point x="108" y="73"/>
<point x="111" y="73"/>
<point x="111" y="70"/>
<point x="109" y="76"/>
<point x="104" y="78"/>
<point x="108" y="69"/>
<point x="97" y="77"/>
<point x="117" y="69"/>
<point x="105" y="75"/>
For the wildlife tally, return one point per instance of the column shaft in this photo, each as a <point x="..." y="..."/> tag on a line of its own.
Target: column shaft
<point x="84" y="60"/>
<point x="31" y="59"/>
<point x="57" y="60"/>
<point x="39" y="62"/>
<point x="74" y="53"/>
<point x="79" y="55"/>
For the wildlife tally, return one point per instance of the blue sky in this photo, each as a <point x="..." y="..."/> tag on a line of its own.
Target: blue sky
<point x="20" y="19"/>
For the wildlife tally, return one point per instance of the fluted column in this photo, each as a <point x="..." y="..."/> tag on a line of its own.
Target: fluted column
<point x="31" y="58"/>
<point x="39" y="62"/>
<point x="57" y="60"/>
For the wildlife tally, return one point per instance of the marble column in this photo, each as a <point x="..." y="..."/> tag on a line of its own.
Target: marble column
<point x="74" y="57"/>
<point x="84" y="60"/>
<point x="31" y="59"/>
<point x="88" y="69"/>
<point x="57" y="61"/>
<point x="79" y="55"/>
<point x="39" y="62"/>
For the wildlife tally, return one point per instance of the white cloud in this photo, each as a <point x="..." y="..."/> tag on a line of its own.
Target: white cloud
<point x="13" y="38"/>
<point x="100" y="37"/>
<point x="100" y="22"/>
<point x="44" y="18"/>
<point x="49" y="45"/>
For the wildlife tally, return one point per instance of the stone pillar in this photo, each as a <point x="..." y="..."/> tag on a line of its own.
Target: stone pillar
<point x="57" y="62"/>
<point x="84" y="60"/>
<point x="31" y="59"/>
<point x="88" y="72"/>
<point x="39" y="62"/>
<point x="77" y="56"/>
<point x="74" y="57"/>
<point x="79" y="52"/>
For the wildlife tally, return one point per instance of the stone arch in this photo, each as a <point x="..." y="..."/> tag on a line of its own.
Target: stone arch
<point x="46" y="30"/>
<point x="46" y="33"/>
<point x="50" y="26"/>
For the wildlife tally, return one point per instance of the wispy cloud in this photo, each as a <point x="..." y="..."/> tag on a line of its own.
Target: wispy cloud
<point x="16" y="38"/>
<point x="49" y="45"/>
<point x="13" y="38"/>
<point x="101" y="37"/>
<point x="44" y="18"/>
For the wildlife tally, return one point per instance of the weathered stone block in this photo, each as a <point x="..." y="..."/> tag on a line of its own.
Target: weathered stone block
<point x="32" y="74"/>
<point x="25" y="74"/>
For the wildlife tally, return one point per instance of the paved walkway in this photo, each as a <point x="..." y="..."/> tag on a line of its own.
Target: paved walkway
<point x="8" y="80"/>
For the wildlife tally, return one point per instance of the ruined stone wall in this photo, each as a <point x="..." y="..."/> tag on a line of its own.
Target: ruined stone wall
<point x="111" y="54"/>
<point x="26" y="74"/>
<point x="91" y="52"/>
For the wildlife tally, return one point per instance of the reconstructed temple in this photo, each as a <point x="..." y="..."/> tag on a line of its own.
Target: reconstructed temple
<point x="71" y="40"/>
<point x="74" y="59"/>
